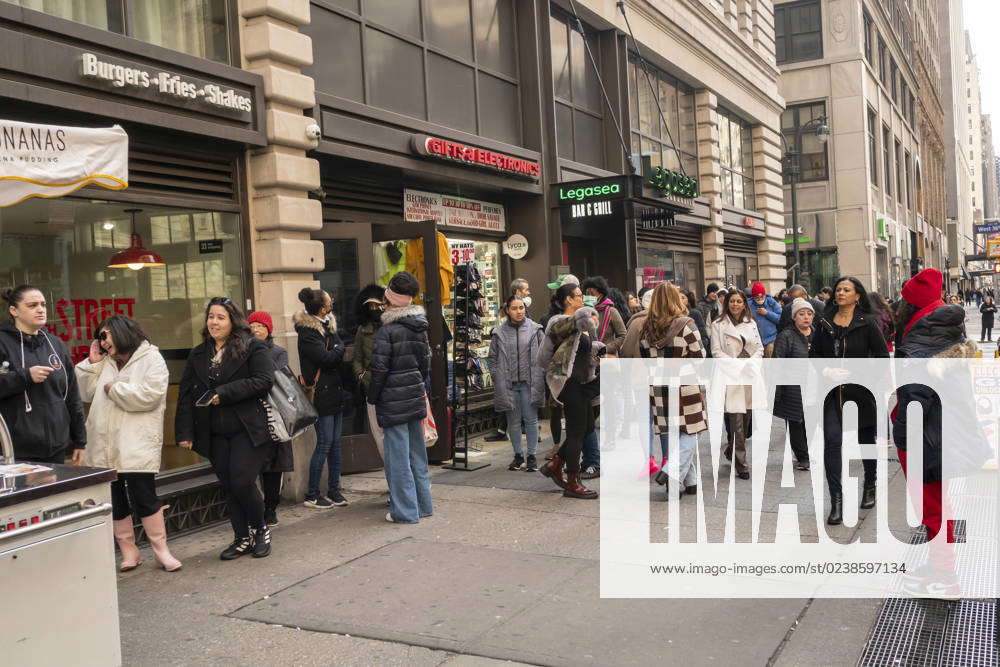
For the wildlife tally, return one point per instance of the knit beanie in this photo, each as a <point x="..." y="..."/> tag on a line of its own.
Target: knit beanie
<point x="924" y="288"/>
<point x="800" y="303"/>
<point x="758" y="289"/>
<point x="261" y="317"/>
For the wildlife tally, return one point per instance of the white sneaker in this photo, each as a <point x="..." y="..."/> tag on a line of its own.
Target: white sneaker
<point x="388" y="517"/>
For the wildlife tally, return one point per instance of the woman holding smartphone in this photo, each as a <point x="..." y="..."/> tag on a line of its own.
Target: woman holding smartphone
<point x="221" y="415"/>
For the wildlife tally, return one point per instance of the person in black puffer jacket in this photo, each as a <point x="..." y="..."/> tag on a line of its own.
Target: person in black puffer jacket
<point x="320" y="355"/>
<point x="400" y="362"/>
<point x="848" y="330"/>
<point x="795" y="342"/>
<point x="39" y="396"/>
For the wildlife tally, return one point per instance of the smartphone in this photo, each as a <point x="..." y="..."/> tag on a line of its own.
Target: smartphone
<point x="205" y="399"/>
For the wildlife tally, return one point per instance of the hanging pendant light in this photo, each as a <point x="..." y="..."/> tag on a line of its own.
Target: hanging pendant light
<point x="135" y="257"/>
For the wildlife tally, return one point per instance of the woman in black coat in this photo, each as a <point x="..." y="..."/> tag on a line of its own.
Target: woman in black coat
<point x="988" y="311"/>
<point x="320" y="354"/>
<point x="794" y="342"/>
<point x="221" y="415"/>
<point x="400" y="362"/>
<point x="848" y="330"/>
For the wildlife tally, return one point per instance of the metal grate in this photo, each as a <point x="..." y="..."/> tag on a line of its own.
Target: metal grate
<point x="907" y="632"/>
<point x="970" y="637"/>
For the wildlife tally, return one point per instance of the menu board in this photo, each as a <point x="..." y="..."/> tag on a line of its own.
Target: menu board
<point x="453" y="211"/>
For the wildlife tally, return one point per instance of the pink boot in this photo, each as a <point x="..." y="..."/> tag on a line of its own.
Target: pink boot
<point x="125" y="537"/>
<point x="653" y="468"/>
<point x="156" y="533"/>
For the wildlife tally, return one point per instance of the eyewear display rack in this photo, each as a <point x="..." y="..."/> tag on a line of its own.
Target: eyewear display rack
<point x="467" y="311"/>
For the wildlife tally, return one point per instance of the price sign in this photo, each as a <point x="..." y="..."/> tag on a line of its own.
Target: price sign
<point x="462" y="252"/>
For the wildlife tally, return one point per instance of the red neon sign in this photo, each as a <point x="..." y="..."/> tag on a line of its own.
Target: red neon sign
<point x="456" y="152"/>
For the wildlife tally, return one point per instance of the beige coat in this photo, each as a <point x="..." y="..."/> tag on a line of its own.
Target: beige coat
<point x="125" y="424"/>
<point x="728" y="341"/>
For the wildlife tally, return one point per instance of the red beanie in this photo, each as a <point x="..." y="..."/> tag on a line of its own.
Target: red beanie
<point x="263" y="318"/>
<point x="757" y="290"/>
<point x="924" y="288"/>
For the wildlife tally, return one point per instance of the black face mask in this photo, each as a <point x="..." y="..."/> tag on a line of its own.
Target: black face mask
<point x="373" y="314"/>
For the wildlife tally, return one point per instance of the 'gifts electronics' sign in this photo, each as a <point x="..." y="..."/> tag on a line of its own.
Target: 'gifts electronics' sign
<point x="452" y="151"/>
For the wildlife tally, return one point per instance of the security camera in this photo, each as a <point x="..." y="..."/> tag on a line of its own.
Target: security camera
<point x="313" y="131"/>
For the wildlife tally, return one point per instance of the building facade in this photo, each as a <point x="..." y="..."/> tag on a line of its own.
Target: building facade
<point x="852" y="62"/>
<point x="989" y="170"/>
<point x="974" y="130"/>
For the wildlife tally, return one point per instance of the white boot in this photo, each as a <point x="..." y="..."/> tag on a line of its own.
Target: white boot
<point x="125" y="537"/>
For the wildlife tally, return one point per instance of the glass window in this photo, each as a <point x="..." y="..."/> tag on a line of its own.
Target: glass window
<point x="805" y="144"/>
<point x="496" y="44"/>
<point x="883" y="65"/>
<point x="650" y="131"/>
<point x="402" y="16"/>
<point x="868" y="27"/>
<point x="580" y="103"/>
<point x="893" y="75"/>
<point x="887" y="158"/>
<point x="899" y="171"/>
<point x="872" y="149"/>
<point x="798" y="31"/>
<point x="67" y="256"/>
<point x="196" y="27"/>
<point x="336" y="39"/>
<point x="735" y="156"/>
<point x="564" y="130"/>
<point x="449" y="26"/>
<point x="560" y="58"/>
<point x="907" y="180"/>
<point x="586" y="85"/>
<point x="500" y="116"/>
<point x="395" y="70"/>
<point x="448" y="100"/>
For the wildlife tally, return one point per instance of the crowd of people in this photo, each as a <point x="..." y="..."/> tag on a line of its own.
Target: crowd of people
<point x="552" y="364"/>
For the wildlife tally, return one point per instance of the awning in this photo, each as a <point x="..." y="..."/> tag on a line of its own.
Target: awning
<point x="54" y="160"/>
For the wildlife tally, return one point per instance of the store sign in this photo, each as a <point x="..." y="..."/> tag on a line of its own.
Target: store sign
<point x="753" y="223"/>
<point x="670" y="183"/>
<point x="78" y="319"/>
<point x="516" y="246"/>
<point x="647" y="217"/>
<point x="987" y="228"/>
<point x="600" y="189"/>
<point x="453" y="151"/>
<point x="453" y="211"/>
<point x="127" y="76"/>
<point x="882" y="229"/>
<point x="462" y="252"/>
<point x="209" y="246"/>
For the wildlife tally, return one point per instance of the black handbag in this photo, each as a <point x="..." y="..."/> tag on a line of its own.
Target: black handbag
<point x="289" y="410"/>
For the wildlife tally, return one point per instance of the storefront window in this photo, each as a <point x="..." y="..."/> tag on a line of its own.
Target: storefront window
<point x="654" y="139"/>
<point x="736" y="156"/>
<point x="62" y="246"/>
<point x="485" y="255"/>
<point x="579" y="103"/>
<point x="195" y="27"/>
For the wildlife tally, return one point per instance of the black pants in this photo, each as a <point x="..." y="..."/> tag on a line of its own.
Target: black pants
<point x="576" y="400"/>
<point x="833" y="442"/>
<point x="555" y="423"/>
<point x="134" y="493"/>
<point x="270" y="483"/>
<point x="238" y="463"/>
<point x="987" y="334"/>
<point x="797" y="437"/>
<point x="58" y="457"/>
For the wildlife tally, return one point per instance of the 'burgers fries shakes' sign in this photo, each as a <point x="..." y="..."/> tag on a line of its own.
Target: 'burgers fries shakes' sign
<point x="52" y="160"/>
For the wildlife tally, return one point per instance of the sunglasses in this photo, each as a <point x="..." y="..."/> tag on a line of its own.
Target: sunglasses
<point x="221" y="301"/>
<point x="102" y="336"/>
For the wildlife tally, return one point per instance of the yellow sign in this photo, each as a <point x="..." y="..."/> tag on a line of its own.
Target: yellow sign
<point x="993" y="248"/>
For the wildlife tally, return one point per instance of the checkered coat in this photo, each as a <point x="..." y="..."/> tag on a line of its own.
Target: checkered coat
<point x="682" y="341"/>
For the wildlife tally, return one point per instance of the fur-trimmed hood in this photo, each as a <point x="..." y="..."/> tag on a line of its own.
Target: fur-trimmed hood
<point x="304" y="319"/>
<point x="413" y="317"/>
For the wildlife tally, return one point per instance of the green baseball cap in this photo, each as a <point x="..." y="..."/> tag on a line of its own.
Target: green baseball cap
<point x="563" y="280"/>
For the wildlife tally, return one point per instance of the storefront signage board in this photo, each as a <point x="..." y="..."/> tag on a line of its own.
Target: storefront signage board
<point x="993" y="249"/>
<point x="601" y="189"/>
<point x="472" y="156"/>
<point x="987" y="228"/>
<point x="209" y="246"/>
<point x="462" y="252"/>
<point x="516" y="246"/>
<point x="668" y="183"/>
<point x="453" y="211"/>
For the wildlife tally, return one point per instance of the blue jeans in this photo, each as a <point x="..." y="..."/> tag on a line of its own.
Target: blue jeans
<point x="687" y="472"/>
<point x="591" y="450"/>
<point x="406" y="472"/>
<point x="327" y="451"/>
<point x="523" y="410"/>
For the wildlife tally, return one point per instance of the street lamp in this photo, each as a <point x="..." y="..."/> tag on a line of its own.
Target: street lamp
<point x="792" y="169"/>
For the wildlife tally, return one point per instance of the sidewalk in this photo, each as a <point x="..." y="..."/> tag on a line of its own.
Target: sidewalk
<point x="506" y="569"/>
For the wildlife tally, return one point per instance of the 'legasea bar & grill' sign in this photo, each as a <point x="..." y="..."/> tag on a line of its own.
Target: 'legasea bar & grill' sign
<point x="476" y="157"/>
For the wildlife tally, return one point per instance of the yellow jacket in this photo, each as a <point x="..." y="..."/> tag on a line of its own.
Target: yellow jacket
<point x="415" y="265"/>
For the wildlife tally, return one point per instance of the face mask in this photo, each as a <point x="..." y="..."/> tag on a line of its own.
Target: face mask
<point x="527" y="301"/>
<point x="589" y="300"/>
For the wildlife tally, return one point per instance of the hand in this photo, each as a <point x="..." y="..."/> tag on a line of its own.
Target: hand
<point x="215" y="400"/>
<point x="40" y="373"/>
<point x="762" y="311"/>
<point x="77" y="459"/>
<point x="186" y="444"/>
<point x="96" y="352"/>
<point x="107" y="387"/>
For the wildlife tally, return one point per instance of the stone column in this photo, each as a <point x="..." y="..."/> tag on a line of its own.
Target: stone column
<point x="710" y="184"/>
<point x="769" y="196"/>
<point x="280" y="178"/>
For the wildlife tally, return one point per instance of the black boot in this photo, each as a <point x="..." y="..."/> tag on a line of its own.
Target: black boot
<point x="868" y="496"/>
<point x="836" y="510"/>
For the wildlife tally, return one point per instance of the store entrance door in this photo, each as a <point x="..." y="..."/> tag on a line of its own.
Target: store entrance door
<point x="427" y="231"/>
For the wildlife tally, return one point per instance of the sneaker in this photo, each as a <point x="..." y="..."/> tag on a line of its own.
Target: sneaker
<point x="516" y="463"/>
<point x="320" y="503"/>
<point x="802" y="465"/>
<point x="496" y="436"/>
<point x="241" y="546"/>
<point x="262" y="542"/>
<point x="590" y="472"/>
<point x="929" y="582"/>
<point x="337" y="498"/>
<point x="388" y="517"/>
<point x="532" y="465"/>
<point x="271" y="517"/>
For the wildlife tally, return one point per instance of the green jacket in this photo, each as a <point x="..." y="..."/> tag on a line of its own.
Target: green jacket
<point x="363" y="342"/>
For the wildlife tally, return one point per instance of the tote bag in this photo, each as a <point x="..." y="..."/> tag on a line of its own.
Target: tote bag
<point x="289" y="410"/>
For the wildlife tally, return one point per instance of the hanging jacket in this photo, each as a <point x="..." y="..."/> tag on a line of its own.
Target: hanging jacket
<point x="322" y="351"/>
<point x="125" y="424"/>
<point x="242" y="385"/>
<point x="415" y="265"/>
<point x="767" y="324"/>
<point x="400" y="362"/>
<point x="513" y="349"/>
<point x="56" y="419"/>
<point x="940" y="334"/>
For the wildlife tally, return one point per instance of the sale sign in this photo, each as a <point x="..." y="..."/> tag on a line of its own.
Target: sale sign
<point x="462" y="252"/>
<point x="453" y="211"/>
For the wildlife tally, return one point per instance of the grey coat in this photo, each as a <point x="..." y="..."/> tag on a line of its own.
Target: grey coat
<point x="512" y="359"/>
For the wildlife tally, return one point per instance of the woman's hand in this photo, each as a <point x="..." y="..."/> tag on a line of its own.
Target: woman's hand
<point x="107" y="387"/>
<point x="96" y="352"/>
<point x="40" y="374"/>
<point x="77" y="459"/>
<point x="215" y="400"/>
<point x="186" y="444"/>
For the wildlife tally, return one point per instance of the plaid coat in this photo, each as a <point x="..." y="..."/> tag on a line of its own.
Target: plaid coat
<point x="681" y="342"/>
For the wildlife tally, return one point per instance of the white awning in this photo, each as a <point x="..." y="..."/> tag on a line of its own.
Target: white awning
<point x="53" y="160"/>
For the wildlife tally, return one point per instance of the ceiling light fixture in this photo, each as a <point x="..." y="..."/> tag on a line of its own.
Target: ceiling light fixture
<point x="135" y="257"/>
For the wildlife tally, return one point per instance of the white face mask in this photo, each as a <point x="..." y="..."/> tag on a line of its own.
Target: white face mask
<point x="527" y="301"/>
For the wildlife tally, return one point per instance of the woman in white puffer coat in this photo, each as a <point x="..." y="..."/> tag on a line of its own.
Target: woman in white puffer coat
<point x="125" y="381"/>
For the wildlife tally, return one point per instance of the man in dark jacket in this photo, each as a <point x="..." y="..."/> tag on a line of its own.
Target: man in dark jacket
<point x="400" y="362"/>
<point x="709" y="304"/>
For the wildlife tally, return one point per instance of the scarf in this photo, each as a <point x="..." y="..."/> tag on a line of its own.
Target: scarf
<point x="602" y="309"/>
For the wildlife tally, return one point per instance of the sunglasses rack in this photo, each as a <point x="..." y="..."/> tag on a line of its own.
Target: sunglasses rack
<point x="467" y="309"/>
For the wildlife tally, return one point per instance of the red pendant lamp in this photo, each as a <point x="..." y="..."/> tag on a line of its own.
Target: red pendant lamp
<point x="135" y="257"/>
